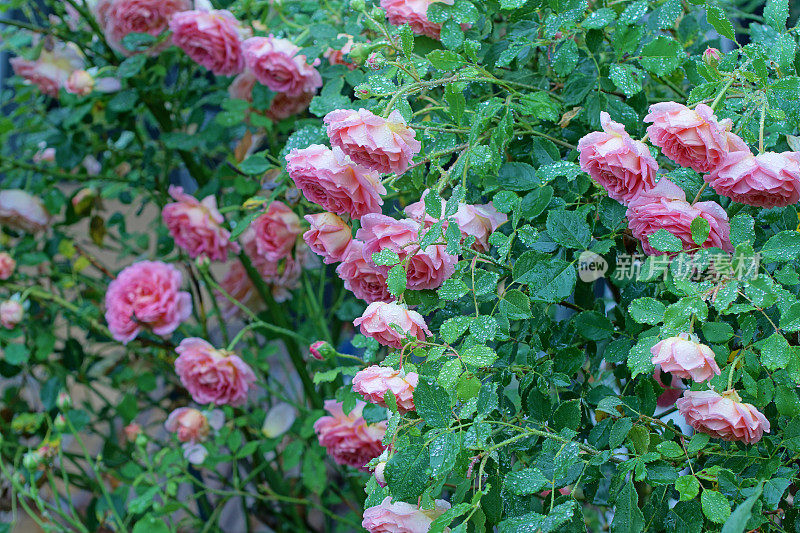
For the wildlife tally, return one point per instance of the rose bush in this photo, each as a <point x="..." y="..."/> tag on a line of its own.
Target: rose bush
<point x="400" y="266"/>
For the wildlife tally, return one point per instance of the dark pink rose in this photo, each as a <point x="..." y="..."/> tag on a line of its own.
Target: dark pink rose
<point x="210" y="38"/>
<point x="665" y="206"/>
<point x="276" y="232"/>
<point x="197" y="226"/>
<point x="239" y="286"/>
<point x="146" y="295"/>
<point x="120" y="18"/>
<point x="429" y="268"/>
<point x="764" y="180"/>
<point x="277" y="64"/>
<point x="723" y="416"/>
<point x="380" y="144"/>
<point x="362" y="278"/>
<point x="378" y="320"/>
<point x="670" y="392"/>
<point x="619" y="164"/>
<point x="328" y="178"/>
<point x="347" y="437"/>
<point x="284" y="106"/>
<point x="212" y="376"/>
<point x="7" y="265"/>
<point x="375" y="381"/>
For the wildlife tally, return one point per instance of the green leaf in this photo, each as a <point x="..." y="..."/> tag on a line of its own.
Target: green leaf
<point x="776" y="13"/>
<point x="664" y="241"/>
<point x="593" y="325"/>
<point x="525" y="482"/>
<point x="619" y="431"/>
<point x="633" y="12"/>
<point x="670" y="450"/>
<point x="457" y="102"/>
<point x="700" y="230"/>
<point x="790" y="319"/>
<point x="515" y="176"/>
<point x="715" y="506"/>
<point x="647" y="310"/>
<point x="737" y="521"/>
<point x="565" y="58"/>
<point x="396" y="281"/>
<point x="628" y="518"/>
<point x="445" y="59"/>
<point x="662" y="56"/>
<point x="717" y="332"/>
<point x="775" y="352"/>
<point x="717" y="18"/>
<point x="512" y="4"/>
<point x="479" y="355"/>
<point x="783" y="246"/>
<point x="453" y="328"/>
<point x="550" y="280"/>
<point x="255" y="164"/>
<point x="406" y="471"/>
<point x="444" y="452"/>
<point x="432" y="403"/>
<point x="535" y="202"/>
<point x="16" y="354"/>
<point x="688" y="487"/>
<point x="151" y="524"/>
<point x="567" y="415"/>
<point x="515" y="305"/>
<point x="599" y="19"/>
<point x="385" y="257"/>
<point x="640" y="358"/>
<point x="131" y="66"/>
<point x="742" y="229"/>
<point x="627" y="78"/>
<point x="569" y="228"/>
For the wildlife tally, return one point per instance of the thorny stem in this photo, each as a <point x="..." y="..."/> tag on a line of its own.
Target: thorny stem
<point x="721" y="94"/>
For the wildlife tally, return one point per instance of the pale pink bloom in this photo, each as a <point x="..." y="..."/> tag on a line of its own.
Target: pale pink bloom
<point x="212" y="376"/>
<point x="616" y="162"/>
<point x="284" y="105"/>
<point x="665" y="206"/>
<point x="670" y="392"/>
<point x="7" y="265"/>
<point x="44" y="154"/>
<point x="401" y="517"/>
<point x="80" y="83"/>
<point x="380" y="144"/>
<point x="380" y="232"/>
<point x="197" y="226"/>
<point x="278" y="64"/>
<point x="146" y="295"/>
<point x="684" y="357"/>
<point x="429" y="268"/>
<point x="379" y="472"/>
<point x="92" y="166"/>
<point x="23" y="211"/>
<point x="120" y="18"/>
<point x="242" y="86"/>
<point x="329" y="178"/>
<point x="764" y="180"/>
<point x="328" y="237"/>
<point x="276" y="232"/>
<point x="211" y="38"/>
<point x="362" y="278"/>
<point x="692" y="138"/>
<point x="375" y="381"/>
<point x="336" y="57"/>
<point x="11" y="313"/>
<point x="381" y="321"/>
<point x="51" y="70"/>
<point x="415" y="14"/>
<point x="347" y="437"/>
<point x="480" y="221"/>
<point x="189" y="424"/>
<point x="723" y="416"/>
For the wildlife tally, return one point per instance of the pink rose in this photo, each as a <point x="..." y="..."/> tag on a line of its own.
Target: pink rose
<point x="395" y="517"/>
<point x="684" y="357"/>
<point x="619" y="164"/>
<point x="239" y="286"/>
<point x="22" y="211"/>
<point x="212" y="376"/>
<point x="211" y="39"/>
<point x="190" y="424"/>
<point x="146" y="295"/>
<point x="375" y="381"/>
<point x="120" y="18"/>
<point x="80" y="83"/>
<point x="277" y="64"/>
<point x="670" y="392"/>
<point x="7" y="265"/>
<point x="429" y="268"/>
<point x="380" y="232"/>
<point x="415" y="14"/>
<point x="282" y="275"/>
<point x="197" y="226"/>
<point x="276" y="232"/>
<point x="378" y="320"/>
<point x="328" y="237"/>
<point x="480" y="221"/>
<point x="11" y="313"/>
<point x="383" y="145"/>
<point x="764" y="180"/>
<point x="336" y="57"/>
<point x="692" y="138"/>
<point x="347" y="437"/>
<point x="665" y="206"/>
<point x="328" y="178"/>
<point x="379" y="472"/>
<point x="362" y="278"/>
<point x="133" y="430"/>
<point x="242" y="86"/>
<point x="284" y="106"/>
<point x="51" y="70"/>
<point x="723" y="416"/>
<point x="44" y="154"/>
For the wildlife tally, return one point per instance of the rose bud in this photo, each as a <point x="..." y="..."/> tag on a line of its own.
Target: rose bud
<point x="11" y="313"/>
<point x="63" y="401"/>
<point x="711" y="57"/>
<point x="321" y="350"/>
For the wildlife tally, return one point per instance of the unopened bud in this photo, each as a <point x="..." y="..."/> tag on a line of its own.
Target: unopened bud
<point x="60" y="423"/>
<point x="363" y="91"/>
<point x="376" y="60"/>
<point x="202" y="262"/>
<point x="712" y="56"/>
<point x="63" y="400"/>
<point x="321" y="350"/>
<point x="358" y="5"/>
<point x="31" y="460"/>
<point x="132" y="432"/>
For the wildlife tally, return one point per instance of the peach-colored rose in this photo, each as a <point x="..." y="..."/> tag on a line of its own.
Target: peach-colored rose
<point x="764" y="180"/>
<point x="11" y="313"/>
<point x="380" y="232"/>
<point x="276" y="232"/>
<point x="210" y="38"/>
<point x="665" y="206"/>
<point x="723" y="416"/>
<point x="80" y="83"/>
<point x="284" y="106"/>
<point x="278" y="64"/>
<point x="51" y="70"/>
<point x="415" y="14"/>
<point x="120" y="18"/>
<point x="692" y="138"/>
<point x="396" y="517"/>
<point x="378" y="320"/>
<point x="23" y="211"/>
<point x="190" y="424"/>
<point x="684" y="357"/>
<point x="212" y="376"/>
<point x="328" y="237"/>
<point x="375" y="381"/>
<point x="197" y="227"/>
<point x="7" y="265"/>
<point x="619" y="164"/>
<point x="429" y="268"/>
<point x="328" y="178"/>
<point x="363" y="279"/>
<point x="670" y="392"/>
<point x="242" y="86"/>
<point x="380" y="144"/>
<point x="480" y="221"/>
<point x="336" y="57"/>
<point x="146" y="295"/>
<point x="347" y="437"/>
